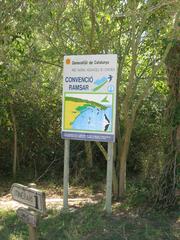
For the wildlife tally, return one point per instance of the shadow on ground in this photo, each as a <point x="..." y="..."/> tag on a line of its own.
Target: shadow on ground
<point x="91" y="223"/>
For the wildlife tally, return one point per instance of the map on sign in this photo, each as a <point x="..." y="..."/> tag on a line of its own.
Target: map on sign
<point x="89" y="97"/>
<point x="95" y="113"/>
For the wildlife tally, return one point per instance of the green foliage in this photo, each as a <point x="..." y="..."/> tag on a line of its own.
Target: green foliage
<point x="146" y="155"/>
<point x="10" y="227"/>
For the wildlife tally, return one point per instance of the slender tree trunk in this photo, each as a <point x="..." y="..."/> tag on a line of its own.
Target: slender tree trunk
<point x="123" y="160"/>
<point x="115" y="183"/>
<point x="35" y="168"/>
<point x="15" y="141"/>
<point x="89" y="155"/>
<point x="114" y="175"/>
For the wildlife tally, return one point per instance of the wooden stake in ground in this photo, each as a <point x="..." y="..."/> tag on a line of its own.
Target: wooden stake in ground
<point x="32" y="232"/>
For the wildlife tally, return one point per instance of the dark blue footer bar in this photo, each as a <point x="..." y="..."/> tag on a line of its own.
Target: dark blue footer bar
<point x="88" y="136"/>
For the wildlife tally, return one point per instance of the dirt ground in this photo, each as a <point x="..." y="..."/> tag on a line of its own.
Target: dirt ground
<point x="78" y="197"/>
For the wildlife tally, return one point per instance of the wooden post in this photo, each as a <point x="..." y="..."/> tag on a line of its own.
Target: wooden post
<point x="66" y="173"/>
<point x="108" y="206"/>
<point x="32" y="232"/>
<point x="35" y="200"/>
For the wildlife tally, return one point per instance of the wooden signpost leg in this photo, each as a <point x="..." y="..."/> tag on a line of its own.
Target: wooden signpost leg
<point x="108" y="206"/>
<point x="32" y="233"/>
<point x="66" y="173"/>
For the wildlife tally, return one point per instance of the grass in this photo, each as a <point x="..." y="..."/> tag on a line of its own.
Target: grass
<point x="91" y="223"/>
<point x="129" y="220"/>
<point x="10" y="227"/>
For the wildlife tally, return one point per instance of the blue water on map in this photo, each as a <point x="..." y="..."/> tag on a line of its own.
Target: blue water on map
<point x="100" y="81"/>
<point x="93" y="118"/>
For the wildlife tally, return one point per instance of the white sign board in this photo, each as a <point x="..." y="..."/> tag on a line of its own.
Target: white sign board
<point x="27" y="216"/>
<point x="31" y="197"/>
<point x="89" y="97"/>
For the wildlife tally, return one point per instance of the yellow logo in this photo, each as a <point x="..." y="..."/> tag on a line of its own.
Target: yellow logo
<point x="68" y="61"/>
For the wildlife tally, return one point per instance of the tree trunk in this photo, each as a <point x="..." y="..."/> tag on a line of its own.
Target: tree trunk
<point x="89" y="156"/>
<point x="123" y="160"/>
<point x="115" y="183"/>
<point x="114" y="175"/>
<point x="15" y="142"/>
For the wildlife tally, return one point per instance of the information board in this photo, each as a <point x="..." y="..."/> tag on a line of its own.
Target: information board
<point x="89" y="97"/>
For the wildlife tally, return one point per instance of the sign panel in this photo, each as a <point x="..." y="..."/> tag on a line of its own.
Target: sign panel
<point x="89" y="97"/>
<point x="31" y="197"/>
<point x="27" y="216"/>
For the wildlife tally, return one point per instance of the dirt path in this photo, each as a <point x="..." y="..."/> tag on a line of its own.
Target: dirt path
<point x="54" y="202"/>
<point x="51" y="203"/>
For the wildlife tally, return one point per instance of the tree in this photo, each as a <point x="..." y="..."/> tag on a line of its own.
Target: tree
<point x="25" y="81"/>
<point x="166" y="191"/>
<point x="140" y="61"/>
